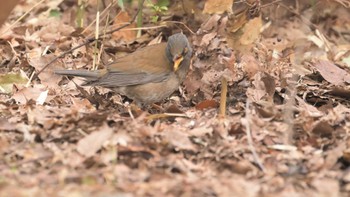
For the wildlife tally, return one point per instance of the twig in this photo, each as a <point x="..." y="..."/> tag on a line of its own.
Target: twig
<point x="165" y="115"/>
<point x="177" y="22"/>
<point x="143" y="28"/>
<point x="270" y="3"/>
<point x="139" y="19"/>
<point x="97" y="35"/>
<point x="103" y="15"/>
<point x="250" y="139"/>
<point x="223" y="97"/>
<point x="303" y="19"/>
<point x="344" y="3"/>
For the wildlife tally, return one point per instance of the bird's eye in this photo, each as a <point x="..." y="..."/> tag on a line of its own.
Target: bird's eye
<point x="177" y="57"/>
<point x="184" y="52"/>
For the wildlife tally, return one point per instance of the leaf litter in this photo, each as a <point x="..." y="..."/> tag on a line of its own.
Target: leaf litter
<point x="287" y="77"/>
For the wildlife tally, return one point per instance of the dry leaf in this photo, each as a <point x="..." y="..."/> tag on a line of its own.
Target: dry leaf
<point x="178" y="139"/>
<point x="29" y="93"/>
<point x="207" y="104"/>
<point x="218" y="6"/>
<point x="124" y="34"/>
<point x="332" y="73"/>
<point x="90" y="144"/>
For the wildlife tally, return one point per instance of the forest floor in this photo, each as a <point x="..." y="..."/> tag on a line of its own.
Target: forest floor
<point x="283" y="132"/>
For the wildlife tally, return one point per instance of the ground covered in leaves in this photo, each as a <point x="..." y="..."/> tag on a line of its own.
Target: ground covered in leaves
<point x="284" y="130"/>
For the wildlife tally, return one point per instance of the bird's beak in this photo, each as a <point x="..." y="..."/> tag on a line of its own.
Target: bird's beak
<point x="177" y="63"/>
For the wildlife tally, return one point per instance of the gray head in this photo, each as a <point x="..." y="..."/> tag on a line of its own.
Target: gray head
<point x="178" y="48"/>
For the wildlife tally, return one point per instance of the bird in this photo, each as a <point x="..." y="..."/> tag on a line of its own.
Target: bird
<point x="146" y="76"/>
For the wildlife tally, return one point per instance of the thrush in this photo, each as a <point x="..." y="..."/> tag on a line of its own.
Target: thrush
<point x="147" y="75"/>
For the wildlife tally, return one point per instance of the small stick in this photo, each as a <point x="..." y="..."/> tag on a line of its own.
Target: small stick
<point x="178" y="22"/>
<point x="97" y="35"/>
<point x="223" y="97"/>
<point x="139" y="19"/>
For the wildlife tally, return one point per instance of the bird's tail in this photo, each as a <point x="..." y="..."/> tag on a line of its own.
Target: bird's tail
<point x="88" y="75"/>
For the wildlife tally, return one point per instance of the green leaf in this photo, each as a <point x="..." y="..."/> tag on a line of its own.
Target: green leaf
<point x="55" y="13"/>
<point x="7" y="81"/>
<point x="163" y="3"/>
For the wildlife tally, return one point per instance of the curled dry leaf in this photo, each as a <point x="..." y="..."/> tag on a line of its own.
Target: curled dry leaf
<point x="264" y="87"/>
<point x="251" y="31"/>
<point x="47" y="77"/>
<point x="308" y="109"/>
<point x="93" y="142"/>
<point x="207" y="39"/>
<point x="250" y="65"/>
<point x="30" y="93"/>
<point x="332" y="73"/>
<point x="179" y="140"/>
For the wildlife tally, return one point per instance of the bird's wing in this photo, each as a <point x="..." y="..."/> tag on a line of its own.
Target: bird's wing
<point x="143" y="66"/>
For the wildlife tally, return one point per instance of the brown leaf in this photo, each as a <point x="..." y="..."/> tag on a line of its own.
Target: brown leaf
<point x="218" y="6"/>
<point x="5" y="10"/>
<point x="325" y="187"/>
<point x="322" y="128"/>
<point x="251" y="31"/>
<point x="334" y="155"/>
<point x="207" y="104"/>
<point x="90" y="144"/>
<point x="124" y="34"/>
<point x="308" y="109"/>
<point x="207" y="38"/>
<point x="30" y="93"/>
<point x="47" y="77"/>
<point x="264" y="87"/>
<point x="178" y="139"/>
<point x="250" y="65"/>
<point x="332" y="73"/>
<point x="6" y="125"/>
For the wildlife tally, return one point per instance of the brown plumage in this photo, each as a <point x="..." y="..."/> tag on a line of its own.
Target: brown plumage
<point x="148" y="75"/>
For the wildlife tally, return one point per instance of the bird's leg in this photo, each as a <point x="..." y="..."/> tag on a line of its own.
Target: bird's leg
<point x="182" y="93"/>
<point x="136" y="109"/>
<point x="128" y="107"/>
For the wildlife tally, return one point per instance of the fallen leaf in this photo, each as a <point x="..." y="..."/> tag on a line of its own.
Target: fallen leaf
<point x="206" y="104"/>
<point x="332" y="73"/>
<point x="178" y="139"/>
<point x="6" y="125"/>
<point x="250" y="65"/>
<point x="322" y="128"/>
<point x="93" y="142"/>
<point x="251" y="31"/>
<point x="218" y="6"/>
<point x="124" y="34"/>
<point x="29" y="93"/>
<point x="42" y="97"/>
<point x="47" y="76"/>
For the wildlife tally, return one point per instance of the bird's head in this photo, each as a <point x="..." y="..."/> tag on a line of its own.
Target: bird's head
<point x="178" y="48"/>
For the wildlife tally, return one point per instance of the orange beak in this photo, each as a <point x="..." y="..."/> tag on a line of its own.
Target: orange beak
<point x="177" y="63"/>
